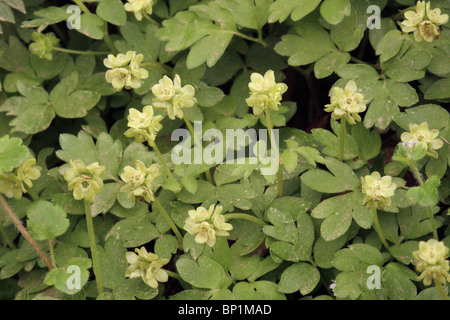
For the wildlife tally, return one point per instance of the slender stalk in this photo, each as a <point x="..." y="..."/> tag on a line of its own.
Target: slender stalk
<point x="107" y="39"/>
<point x="6" y="237"/>
<point x="378" y="229"/>
<point x="93" y="245"/>
<point x="32" y="194"/>
<point x="157" y="67"/>
<point x="170" y="222"/>
<point x="208" y="176"/>
<point x="80" y="51"/>
<point x="161" y="159"/>
<point x="192" y="132"/>
<point x="275" y="147"/>
<point x="173" y="275"/>
<point x="244" y="216"/>
<point x="419" y="179"/>
<point x="433" y="224"/>
<point x="151" y="20"/>
<point x="342" y="140"/>
<point x="440" y="290"/>
<point x="246" y="37"/>
<point x="25" y="232"/>
<point x="82" y="6"/>
<point x="198" y="144"/>
<point x="417" y="174"/>
<point x="52" y="252"/>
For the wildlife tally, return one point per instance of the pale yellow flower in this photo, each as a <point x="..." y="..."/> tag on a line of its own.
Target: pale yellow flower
<point x="139" y="181"/>
<point x="173" y="97"/>
<point x="420" y="135"/>
<point x="84" y="180"/>
<point x="139" y="7"/>
<point x="13" y="184"/>
<point x="207" y="224"/>
<point x="378" y="190"/>
<point x="147" y="266"/>
<point x="125" y="70"/>
<point x="265" y="93"/>
<point x="346" y="103"/>
<point x="431" y="262"/>
<point x="424" y="29"/>
<point x="144" y="126"/>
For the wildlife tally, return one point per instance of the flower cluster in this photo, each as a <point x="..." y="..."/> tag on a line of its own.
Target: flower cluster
<point x="172" y="97"/>
<point x="346" y="103"/>
<point x="207" y="224"/>
<point x="125" y="70"/>
<point x="13" y="184"/>
<point x="143" y="126"/>
<point x="424" y="29"/>
<point x="139" y="181"/>
<point x="378" y="190"/>
<point x="420" y="135"/>
<point x="265" y="93"/>
<point x="139" y="7"/>
<point x="43" y="45"/>
<point x="146" y="265"/>
<point x="431" y="262"/>
<point x="84" y="180"/>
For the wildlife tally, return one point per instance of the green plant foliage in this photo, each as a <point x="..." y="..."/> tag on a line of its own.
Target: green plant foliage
<point x="224" y="150"/>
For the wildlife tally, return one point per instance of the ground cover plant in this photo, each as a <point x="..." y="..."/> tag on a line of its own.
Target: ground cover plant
<point x="227" y="149"/>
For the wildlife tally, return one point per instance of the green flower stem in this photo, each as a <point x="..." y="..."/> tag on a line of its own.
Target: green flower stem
<point x="25" y="232"/>
<point x="149" y="19"/>
<point x="173" y="275"/>
<point x="108" y="40"/>
<point x="93" y="245"/>
<point x="416" y="173"/>
<point x="157" y="67"/>
<point x="81" y="52"/>
<point x="170" y="222"/>
<point x="192" y="132"/>
<point x="198" y="144"/>
<point x="342" y="140"/>
<point x="433" y="223"/>
<point x="244" y="216"/>
<point x="246" y="37"/>
<point x="208" y="176"/>
<point x="6" y="237"/>
<point x="161" y="159"/>
<point x="440" y="290"/>
<point x="274" y="146"/>
<point x="32" y="194"/>
<point x="419" y="179"/>
<point x="378" y="229"/>
<point x="82" y="6"/>
<point x="52" y="252"/>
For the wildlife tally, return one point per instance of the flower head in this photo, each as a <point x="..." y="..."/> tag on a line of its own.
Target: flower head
<point x="346" y="103"/>
<point x="147" y="266"/>
<point x="420" y="135"/>
<point x="265" y="93"/>
<point x="424" y="22"/>
<point x="13" y="184"/>
<point x="173" y="97"/>
<point x="43" y="45"/>
<point x="378" y="190"/>
<point x="431" y="262"/>
<point x="139" y="181"/>
<point x="125" y="70"/>
<point x="139" y="7"/>
<point x="84" y="180"/>
<point x="207" y="224"/>
<point x="144" y="126"/>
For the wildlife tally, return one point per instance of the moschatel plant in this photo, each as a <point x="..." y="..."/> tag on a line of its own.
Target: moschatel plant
<point x="347" y="97"/>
